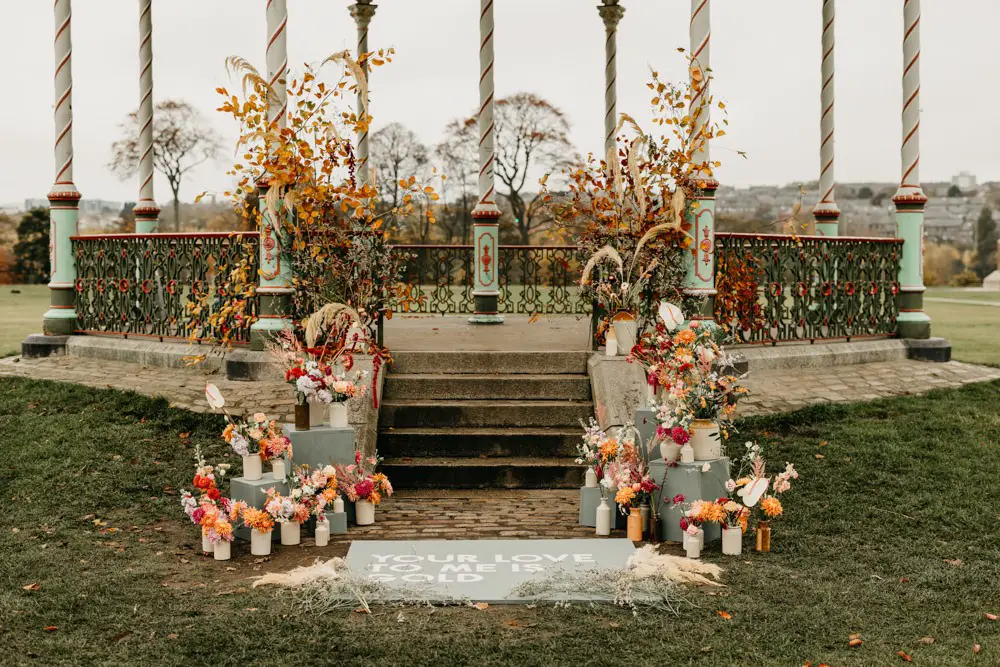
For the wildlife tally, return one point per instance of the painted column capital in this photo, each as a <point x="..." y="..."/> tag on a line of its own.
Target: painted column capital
<point x="362" y="12"/>
<point x="611" y="13"/>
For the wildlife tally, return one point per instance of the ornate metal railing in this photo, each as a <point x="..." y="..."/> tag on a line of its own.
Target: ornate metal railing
<point x="533" y="280"/>
<point x="143" y="284"/>
<point x="775" y="288"/>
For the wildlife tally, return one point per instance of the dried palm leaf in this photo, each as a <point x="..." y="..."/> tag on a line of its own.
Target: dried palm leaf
<point x="354" y="67"/>
<point x="251" y="77"/>
<point x="318" y="323"/>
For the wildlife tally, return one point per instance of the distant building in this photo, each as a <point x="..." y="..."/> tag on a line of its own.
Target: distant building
<point x="964" y="181"/>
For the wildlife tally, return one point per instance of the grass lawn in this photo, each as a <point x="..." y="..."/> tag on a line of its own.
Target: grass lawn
<point x="971" y="329"/>
<point x="21" y="314"/>
<point x="961" y="293"/>
<point x="893" y="535"/>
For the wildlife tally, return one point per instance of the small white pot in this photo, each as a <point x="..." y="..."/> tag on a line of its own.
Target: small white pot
<point x="701" y="538"/>
<point x="223" y="549"/>
<point x="260" y="543"/>
<point x="705" y="440"/>
<point x="603" y="518"/>
<point x="253" y="467"/>
<point x="692" y="549"/>
<point x="206" y="544"/>
<point x="322" y="532"/>
<point x="625" y="333"/>
<point x="291" y="533"/>
<point x="338" y="505"/>
<point x="590" y="478"/>
<point x="687" y="453"/>
<point x="338" y="414"/>
<point x="611" y="344"/>
<point x="317" y="412"/>
<point x="364" y="512"/>
<point x="644" y="516"/>
<point x="732" y="541"/>
<point x="669" y="450"/>
<point x="278" y="468"/>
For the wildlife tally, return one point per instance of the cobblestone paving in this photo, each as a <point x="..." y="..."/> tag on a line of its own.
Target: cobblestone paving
<point x="500" y="514"/>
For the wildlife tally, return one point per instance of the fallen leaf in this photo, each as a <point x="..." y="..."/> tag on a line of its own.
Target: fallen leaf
<point x="824" y="443"/>
<point x="990" y="616"/>
<point x="926" y="640"/>
<point x="172" y="635"/>
<point x="819" y="456"/>
<point x="250" y="609"/>
<point x="615" y="624"/>
<point x="98" y="522"/>
<point x="481" y="606"/>
<point x="976" y="648"/>
<point x="904" y="656"/>
<point x="904" y="580"/>
<point x="184" y="436"/>
<point x="706" y="649"/>
<point x="514" y="623"/>
<point x="51" y="628"/>
<point x="957" y="562"/>
<point x="185" y="560"/>
<point x="33" y="587"/>
<point x="362" y="610"/>
<point x="725" y="614"/>
<point x="230" y="569"/>
<point x="854" y="643"/>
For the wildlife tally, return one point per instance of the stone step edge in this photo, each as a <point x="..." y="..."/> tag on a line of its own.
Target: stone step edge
<point x="480" y="462"/>
<point x="482" y="403"/>
<point x="491" y="431"/>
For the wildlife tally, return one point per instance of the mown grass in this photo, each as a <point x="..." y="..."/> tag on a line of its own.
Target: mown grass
<point x="21" y="310"/>
<point x="893" y="534"/>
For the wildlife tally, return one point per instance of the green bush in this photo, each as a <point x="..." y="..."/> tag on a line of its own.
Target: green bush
<point x="966" y="278"/>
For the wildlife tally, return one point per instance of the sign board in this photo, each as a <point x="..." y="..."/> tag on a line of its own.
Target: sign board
<point x="480" y="570"/>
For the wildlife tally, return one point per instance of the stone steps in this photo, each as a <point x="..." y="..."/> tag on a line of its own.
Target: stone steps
<point x="413" y="413"/>
<point x="508" y="386"/>
<point x="489" y="363"/>
<point x="484" y="473"/>
<point x="479" y="442"/>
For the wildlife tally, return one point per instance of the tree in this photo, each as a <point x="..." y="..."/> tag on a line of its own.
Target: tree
<point x="31" y="252"/>
<point x="954" y="191"/>
<point x="396" y="152"/>
<point x="459" y="159"/>
<point x="531" y="138"/>
<point x="865" y="192"/>
<point x="182" y="140"/>
<point x="986" y="243"/>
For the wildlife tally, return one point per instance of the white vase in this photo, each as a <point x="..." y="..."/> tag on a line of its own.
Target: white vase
<point x="669" y="450"/>
<point x="692" y="546"/>
<point x="611" y="344"/>
<point x="644" y="516"/>
<point x="338" y="505"/>
<point x="253" y="467"/>
<point x="732" y="541"/>
<point x="590" y="478"/>
<point x="260" y="543"/>
<point x="603" y="521"/>
<point x="338" y="414"/>
<point x="322" y="532"/>
<point x="206" y="544"/>
<point x="650" y="394"/>
<point x="317" y="412"/>
<point x="625" y="333"/>
<point x="278" y="468"/>
<point x="687" y="453"/>
<point x="705" y="440"/>
<point x="291" y="533"/>
<point x="701" y="538"/>
<point x="223" y="550"/>
<point x="364" y="512"/>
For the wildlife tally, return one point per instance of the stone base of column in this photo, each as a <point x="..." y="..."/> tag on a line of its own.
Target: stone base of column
<point x="41" y="345"/>
<point x="928" y="349"/>
<point x="827" y="218"/>
<point x="486" y="310"/>
<point x="60" y="318"/>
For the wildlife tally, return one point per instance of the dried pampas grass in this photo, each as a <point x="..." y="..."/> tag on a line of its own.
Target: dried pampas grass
<point x="607" y="252"/>
<point x="319" y="322"/>
<point x="648" y="564"/>
<point x="318" y="572"/>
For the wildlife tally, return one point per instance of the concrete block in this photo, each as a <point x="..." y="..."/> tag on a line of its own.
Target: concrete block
<point x="338" y="522"/>
<point x="321" y="446"/>
<point x="254" y="493"/>
<point x="40" y="345"/>
<point x="646" y="424"/>
<point x="618" y="388"/>
<point x="688" y="480"/>
<point x="928" y="349"/>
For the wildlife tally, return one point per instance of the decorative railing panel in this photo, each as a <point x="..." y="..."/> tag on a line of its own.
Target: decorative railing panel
<point x="533" y="280"/>
<point x="775" y="288"/>
<point x="144" y="284"/>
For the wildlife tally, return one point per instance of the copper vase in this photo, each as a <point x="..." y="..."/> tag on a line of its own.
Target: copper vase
<point x="302" y="416"/>
<point x="763" y="537"/>
<point x="635" y="525"/>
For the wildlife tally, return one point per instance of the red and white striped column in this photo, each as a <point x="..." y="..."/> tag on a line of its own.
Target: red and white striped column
<point x="64" y="199"/>
<point x="486" y="214"/>
<point x="826" y="212"/>
<point x="277" y="59"/>
<point x="700" y="279"/>
<point x="146" y="211"/>
<point x="913" y="322"/>
<point x="363" y="11"/>
<point x="611" y="12"/>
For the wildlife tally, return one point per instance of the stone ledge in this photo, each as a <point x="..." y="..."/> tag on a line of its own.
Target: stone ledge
<point x="39" y="345"/>
<point x="928" y="349"/>
<point x="816" y="355"/>
<point x="152" y="353"/>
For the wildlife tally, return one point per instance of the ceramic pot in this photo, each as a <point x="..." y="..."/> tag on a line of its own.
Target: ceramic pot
<point x="302" y="419"/>
<point x="223" y="550"/>
<point x="705" y="440"/>
<point x="322" y="533"/>
<point x="763" y="537"/>
<point x="278" y="468"/>
<point x="732" y="541"/>
<point x="253" y="467"/>
<point x="603" y="518"/>
<point x="206" y="544"/>
<point x="260" y="543"/>
<point x="692" y="546"/>
<point x="687" y="453"/>
<point x="670" y="450"/>
<point x="338" y="505"/>
<point x="338" y="414"/>
<point x="634" y="526"/>
<point x="590" y="478"/>
<point x="625" y="326"/>
<point x="291" y="533"/>
<point x="364" y="512"/>
<point x="317" y="413"/>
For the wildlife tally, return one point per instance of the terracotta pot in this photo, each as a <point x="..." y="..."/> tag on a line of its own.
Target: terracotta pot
<point x="763" y="537"/>
<point x="634" y="525"/>
<point x="302" y="422"/>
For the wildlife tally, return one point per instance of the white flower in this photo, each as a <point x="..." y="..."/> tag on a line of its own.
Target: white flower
<point x="707" y="467"/>
<point x="341" y="386"/>
<point x="324" y="396"/>
<point x="730" y="485"/>
<point x="296" y="493"/>
<point x="305" y="385"/>
<point x="671" y="315"/>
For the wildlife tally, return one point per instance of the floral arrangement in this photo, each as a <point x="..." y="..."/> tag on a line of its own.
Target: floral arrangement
<point x="256" y="435"/>
<point x="210" y="509"/>
<point x="359" y="481"/>
<point x="255" y="519"/>
<point x="597" y="449"/>
<point x="757" y="490"/>
<point x="313" y="378"/>
<point x="207" y="477"/>
<point x="284" y="508"/>
<point x="624" y="470"/>
<point x="314" y="488"/>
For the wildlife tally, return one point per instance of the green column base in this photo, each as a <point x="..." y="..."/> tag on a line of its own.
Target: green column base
<point x="913" y="329"/>
<point x="486" y="310"/>
<point x="275" y="308"/>
<point x="60" y="318"/>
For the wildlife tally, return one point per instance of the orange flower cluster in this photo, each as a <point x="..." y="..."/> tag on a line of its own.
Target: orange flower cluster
<point x="771" y="506"/>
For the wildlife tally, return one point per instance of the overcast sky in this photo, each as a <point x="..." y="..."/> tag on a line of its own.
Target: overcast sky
<point x="765" y="54"/>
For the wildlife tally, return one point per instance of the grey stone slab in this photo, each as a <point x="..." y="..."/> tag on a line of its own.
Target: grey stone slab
<point x="646" y="424"/>
<point x="321" y="446"/>
<point x="338" y="522"/>
<point x="689" y="480"/>
<point x="254" y="494"/>
<point x="480" y="570"/>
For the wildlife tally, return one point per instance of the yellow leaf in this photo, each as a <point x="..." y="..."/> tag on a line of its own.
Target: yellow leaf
<point x="481" y="606"/>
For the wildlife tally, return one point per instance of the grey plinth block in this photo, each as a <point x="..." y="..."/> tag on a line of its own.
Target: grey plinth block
<point x="688" y="480"/>
<point x="321" y="446"/>
<point x="590" y="499"/>
<point x="40" y="345"/>
<point x="338" y="522"/>
<point x="254" y="494"/>
<point x="645" y="423"/>
<point x="928" y="349"/>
